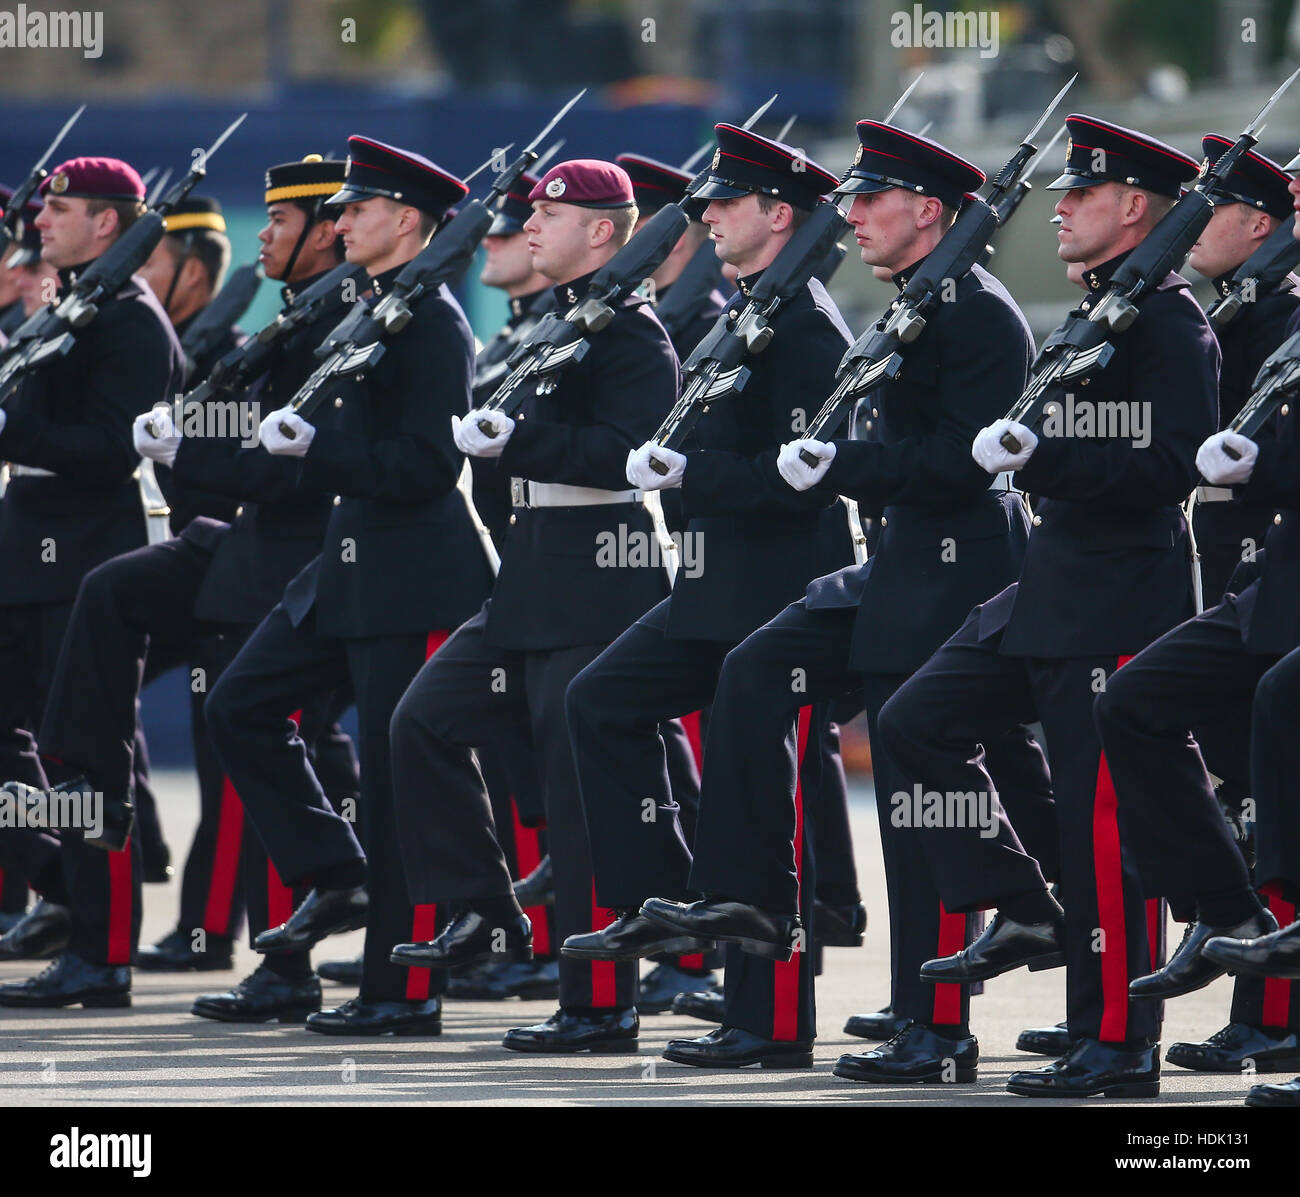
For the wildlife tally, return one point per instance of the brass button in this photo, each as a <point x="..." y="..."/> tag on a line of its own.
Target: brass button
<point x="239" y="511"/>
<point x="1277" y="519"/>
<point x="339" y="401"/>
<point x="875" y="412"/>
<point x="514" y="519"/>
<point x="1038" y="519"/>
<point x="1286" y="409"/>
<point x="869" y="426"/>
<point x="884" y="523"/>
<point x="337" y="500"/>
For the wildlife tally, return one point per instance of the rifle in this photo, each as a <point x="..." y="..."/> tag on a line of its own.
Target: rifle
<point x="1259" y="274"/>
<point x="18" y="201"/>
<point x="1082" y="344"/>
<point x="211" y="324"/>
<point x="716" y="367"/>
<point x="1006" y="207"/>
<point x="50" y="333"/>
<point x="699" y="277"/>
<point x="877" y="355"/>
<point x="1277" y="379"/>
<point x="356" y="343"/>
<point x="244" y="364"/>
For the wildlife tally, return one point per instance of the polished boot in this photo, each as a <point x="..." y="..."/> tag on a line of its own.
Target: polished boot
<point x="1004" y="945"/>
<point x="661" y="986"/>
<point x="72" y="981"/>
<point x="730" y="1047"/>
<point x="917" y="1054"/>
<point x="355" y="1017"/>
<point x="262" y="996"/>
<point x="175" y="953"/>
<point x="841" y="926"/>
<point x="708" y="1007"/>
<point x="467" y="939"/>
<point x="526" y="979"/>
<point x="1239" y="1047"/>
<point x="341" y="972"/>
<point x="631" y="936"/>
<point x="1276" y="954"/>
<point x="1188" y="969"/>
<point x="538" y="888"/>
<point x="1091" y="1068"/>
<point x="606" y="1031"/>
<point x="883" y="1024"/>
<point x="42" y="932"/>
<point x="323" y="912"/>
<point x="759" y="932"/>
<point x="1285" y="1095"/>
<point x="1045" y="1041"/>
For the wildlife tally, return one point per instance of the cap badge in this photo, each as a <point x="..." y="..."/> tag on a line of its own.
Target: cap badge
<point x="1069" y="147"/>
<point x="717" y="159"/>
<point x="858" y="156"/>
<point x="556" y="187"/>
<point x="1205" y="165"/>
<point x="59" y="184"/>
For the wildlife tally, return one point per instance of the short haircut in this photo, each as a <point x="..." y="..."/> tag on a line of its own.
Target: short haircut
<point x="767" y="205"/>
<point x="128" y="210"/>
<point x="428" y="225"/>
<point x="623" y="220"/>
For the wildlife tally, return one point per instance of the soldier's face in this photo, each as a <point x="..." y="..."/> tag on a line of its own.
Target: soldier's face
<point x="885" y="226"/>
<point x="1229" y="239"/>
<point x="1090" y="222"/>
<point x="509" y="262"/>
<point x="558" y="239"/>
<point x="38" y="284"/>
<point x="283" y="228"/>
<point x="69" y="233"/>
<point x="740" y="230"/>
<point x="8" y="285"/>
<point x="369" y="230"/>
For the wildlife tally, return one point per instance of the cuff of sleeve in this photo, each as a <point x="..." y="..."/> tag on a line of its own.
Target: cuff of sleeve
<point x="1261" y="485"/>
<point x="850" y="460"/>
<point x="1043" y="464"/>
<point x="514" y="456"/>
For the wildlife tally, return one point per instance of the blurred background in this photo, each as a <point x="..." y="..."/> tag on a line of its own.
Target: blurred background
<point x="456" y="79"/>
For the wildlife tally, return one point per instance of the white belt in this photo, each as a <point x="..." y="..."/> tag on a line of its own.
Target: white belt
<point x="526" y="493"/>
<point x="1003" y="481"/>
<point x="1214" y="494"/>
<point x="26" y="471"/>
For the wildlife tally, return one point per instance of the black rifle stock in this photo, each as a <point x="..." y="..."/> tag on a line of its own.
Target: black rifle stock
<point x="699" y="277"/>
<point x="1259" y="274"/>
<point x="229" y="304"/>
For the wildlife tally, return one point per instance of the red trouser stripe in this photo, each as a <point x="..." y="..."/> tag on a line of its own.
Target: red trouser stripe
<point x="1109" y="880"/>
<point x="279" y="897"/>
<point x="1277" y="990"/>
<point x="691" y="725"/>
<point x="528" y="855"/>
<point x="119" y="906"/>
<point x="785" y="974"/>
<point x="1156" y="914"/>
<point x="225" y="861"/>
<point x="424" y="925"/>
<point x="603" y="989"/>
<point x="952" y="938"/>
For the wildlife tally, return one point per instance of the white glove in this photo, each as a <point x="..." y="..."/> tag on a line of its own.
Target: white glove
<point x="1218" y="468"/>
<point x="473" y="441"/>
<point x="155" y="436"/>
<point x="641" y="474"/>
<point x="274" y="439"/>
<point x="797" y="472"/>
<point x="990" y="453"/>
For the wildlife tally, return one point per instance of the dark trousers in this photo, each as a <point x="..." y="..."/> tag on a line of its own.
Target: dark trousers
<point x="103" y="888"/>
<point x="276" y="673"/>
<point x="937" y="727"/>
<point x="472" y="695"/>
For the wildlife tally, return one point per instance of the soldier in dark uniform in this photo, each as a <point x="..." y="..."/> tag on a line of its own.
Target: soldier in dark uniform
<point x="556" y="604"/>
<point x="141" y="613"/>
<point x="1105" y="572"/>
<point x="11" y="300"/>
<point x="399" y="565"/>
<point x="943" y="538"/>
<point x="71" y="504"/>
<point x="1203" y="674"/>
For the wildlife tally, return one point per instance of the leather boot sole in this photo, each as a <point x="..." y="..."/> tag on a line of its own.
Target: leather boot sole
<point x="1035" y="964"/>
<point x="783" y="1062"/>
<point x="682" y="946"/>
<point x="1117" y="1089"/>
<point x="483" y="956"/>
<point x="960" y="1076"/>
<point x="430" y="1027"/>
<point x="91" y="1001"/>
<point x="608" y="1047"/>
<point x="290" y="1015"/>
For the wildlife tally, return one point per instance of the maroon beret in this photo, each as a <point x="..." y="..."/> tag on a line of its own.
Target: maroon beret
<point x="94" y="178"/>
<point x="587" y="182"/>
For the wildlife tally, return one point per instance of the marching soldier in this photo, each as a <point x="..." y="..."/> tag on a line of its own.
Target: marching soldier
<point x="399" y="565"/>
<point x="1104" y="573"/>
<point x="71" y="504"/>
<point x="1204" y="673"/>
<point x="944" y="538"/>
<point x="554" y="608"/>
<point x="145" y="611"/>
